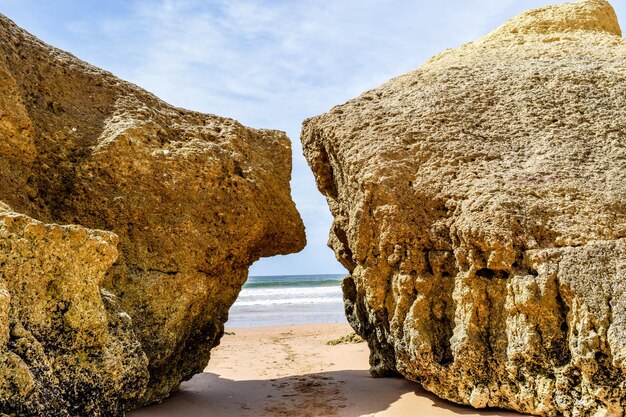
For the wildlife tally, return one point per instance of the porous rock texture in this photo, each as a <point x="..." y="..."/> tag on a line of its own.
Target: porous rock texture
<point x="479" y="205"/>
<point x="64" y="342"/>
<point x="173" y="207"/>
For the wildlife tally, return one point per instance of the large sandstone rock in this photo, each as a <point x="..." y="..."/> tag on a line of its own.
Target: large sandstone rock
<point x="191" y="200"/>
<point x="479" y="204"/>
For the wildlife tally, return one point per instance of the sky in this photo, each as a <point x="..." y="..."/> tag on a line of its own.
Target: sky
<point x="267" y="63"/>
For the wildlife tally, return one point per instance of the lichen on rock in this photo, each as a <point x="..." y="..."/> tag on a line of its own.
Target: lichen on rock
<point x="173" y="206"/>
<point x="478" y="204"/>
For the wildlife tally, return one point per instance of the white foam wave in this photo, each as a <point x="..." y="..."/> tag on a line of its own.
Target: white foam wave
<point x="285" y="301"/>
<point x="248" y="293"/>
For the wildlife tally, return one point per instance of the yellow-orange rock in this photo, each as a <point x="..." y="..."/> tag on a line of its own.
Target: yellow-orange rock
<point x="479" y="204"/>
<point x="66" y="347"/>
<point x="193" y="199"/>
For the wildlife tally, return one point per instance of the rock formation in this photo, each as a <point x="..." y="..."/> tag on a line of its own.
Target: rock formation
<point x="94" y="322"/>
<point x="57" y="324"/>
<point x="479" y="204"/>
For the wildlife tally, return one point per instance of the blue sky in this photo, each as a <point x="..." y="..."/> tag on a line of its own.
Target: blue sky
<point x="266" y="63"/>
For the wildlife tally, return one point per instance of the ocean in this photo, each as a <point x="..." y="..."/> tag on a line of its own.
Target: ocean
<point x="288" y="299"/>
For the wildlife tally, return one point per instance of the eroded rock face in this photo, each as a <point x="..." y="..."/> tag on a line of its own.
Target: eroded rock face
<point x="191" y="200"/>
<point x="66" y="348"/>
<point x="479" y="205"/>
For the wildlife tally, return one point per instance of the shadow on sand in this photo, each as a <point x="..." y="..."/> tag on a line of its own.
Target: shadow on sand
<point x="348" y="393"/>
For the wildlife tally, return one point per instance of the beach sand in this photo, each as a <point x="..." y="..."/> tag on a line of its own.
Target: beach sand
<point x="291" y="371"/>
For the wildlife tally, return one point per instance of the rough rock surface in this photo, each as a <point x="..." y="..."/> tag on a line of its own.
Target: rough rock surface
<point x="56" y="324"/>
<point x="479" y="204"/>
<point x="191" y="200"/>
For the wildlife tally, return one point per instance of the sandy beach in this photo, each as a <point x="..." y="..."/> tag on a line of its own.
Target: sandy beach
<point x="291" y="371"/>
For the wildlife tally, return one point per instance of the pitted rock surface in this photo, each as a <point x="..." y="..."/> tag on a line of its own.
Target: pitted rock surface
<point x="189" y="201"/>
<point x="65" y="344"/>
<point x="479" y="205"/>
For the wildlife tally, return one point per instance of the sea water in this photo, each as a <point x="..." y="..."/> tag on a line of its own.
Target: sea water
<point x="288" y="299"/>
